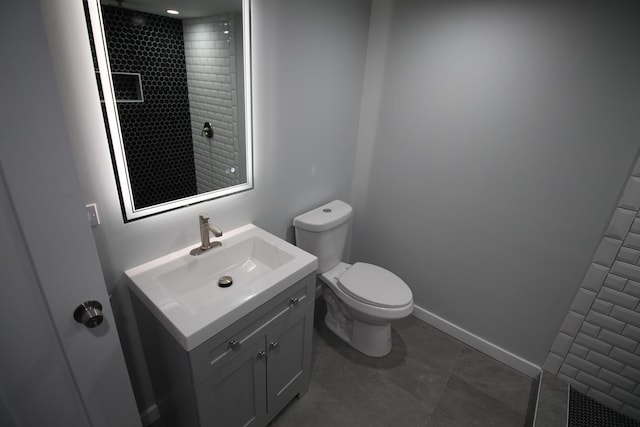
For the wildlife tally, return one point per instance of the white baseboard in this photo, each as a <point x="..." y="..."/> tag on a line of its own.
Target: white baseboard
<point x="150" y="415"/>
<point x="500" y="354"/>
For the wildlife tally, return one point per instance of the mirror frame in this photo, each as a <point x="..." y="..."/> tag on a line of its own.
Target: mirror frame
<point x="129" y="211"/>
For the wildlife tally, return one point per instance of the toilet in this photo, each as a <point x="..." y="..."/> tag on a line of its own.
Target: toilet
<point x="362" y="299"/>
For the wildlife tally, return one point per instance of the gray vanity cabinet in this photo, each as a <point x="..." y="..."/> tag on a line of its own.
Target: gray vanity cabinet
<point x="260" y="379"/>
<point x="234" y="395"/>
<point x="288" y="360"/>
<point x="243" y="376"/>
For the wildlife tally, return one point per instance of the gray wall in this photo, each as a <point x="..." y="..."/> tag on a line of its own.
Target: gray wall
<point x="505" y="134"/>
<point x="308" y="66"/>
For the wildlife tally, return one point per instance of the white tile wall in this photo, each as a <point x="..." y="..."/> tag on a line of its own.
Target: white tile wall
<point x="596" y="349"/>
<point x="211" y="67"/>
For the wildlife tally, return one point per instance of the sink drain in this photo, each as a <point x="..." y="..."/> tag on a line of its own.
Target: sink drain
<point x="225" y="281"/>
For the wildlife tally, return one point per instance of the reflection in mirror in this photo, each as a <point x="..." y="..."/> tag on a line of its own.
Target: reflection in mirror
<point x="176" y="99"/>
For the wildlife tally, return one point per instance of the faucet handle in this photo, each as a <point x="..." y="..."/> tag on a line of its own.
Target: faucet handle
<point x="204" y="217"/>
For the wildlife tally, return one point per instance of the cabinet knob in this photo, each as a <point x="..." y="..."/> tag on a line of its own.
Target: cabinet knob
<point x="262" y="355"/>
<point x="294" y="300"/>
<point x="274" y="345"/>
<point x="234" y="344"/>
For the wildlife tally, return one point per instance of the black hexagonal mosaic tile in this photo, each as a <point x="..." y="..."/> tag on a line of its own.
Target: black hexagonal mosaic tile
<point x="157" y="132"/>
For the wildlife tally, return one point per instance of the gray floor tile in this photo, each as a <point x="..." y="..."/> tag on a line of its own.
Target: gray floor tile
<point x="424" y="383"/>
<point x="428" y="345"/>
<point x="552" y="403"/>
<point x="428" y="379"/>
<point x="370" y="394"/>
<point x="462" y="404"/>
<point x="317" y="407"/>
<point x="494" y="378"/>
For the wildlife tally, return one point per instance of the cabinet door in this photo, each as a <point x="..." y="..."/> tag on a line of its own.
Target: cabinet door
<point x="234" y="394"/>
<point x="288" y="364"/>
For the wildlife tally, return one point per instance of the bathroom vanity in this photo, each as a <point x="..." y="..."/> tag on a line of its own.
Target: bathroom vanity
<point x="244" y="366"/>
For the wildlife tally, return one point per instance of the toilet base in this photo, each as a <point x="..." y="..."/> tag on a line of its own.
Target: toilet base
<point x="371" y="340"/>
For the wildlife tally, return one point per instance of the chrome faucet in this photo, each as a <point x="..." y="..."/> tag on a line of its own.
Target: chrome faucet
<point x="205" y="229"/>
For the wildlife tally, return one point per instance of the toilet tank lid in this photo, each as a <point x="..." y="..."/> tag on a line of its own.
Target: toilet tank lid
<point x="324" y="217"/>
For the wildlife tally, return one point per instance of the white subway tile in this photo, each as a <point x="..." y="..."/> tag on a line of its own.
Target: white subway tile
<point x="632" y="241"/>
<point x="616" y="380"/>
<point x="590" y="329"/>
<point x="631" y="195"/>
<point x="605" y="321"/>
<point x="602" y="306"/>
<point x="571" y="324"/>
<point x="568" y="370"/>
<point x="582" y="301"/>
<point x="625" y="397"/>
<point x="631" y="332"/>
<point x="552" y="363"/>
<point x="605" y="362"/>
<point x="626" y="270"/>
<point x="617" y="340"/>
<point x="615" y="282"/>
<point x="636" y="169"/>
<point x="595" y="276"/>
<point x="594" y="382"/>
<point x="593" y="343"/>
<point x="582" y="364"/>
<point x="561" y="344"/>
<point x="628" y="255"/>
<point x="629" y="359"/>
<point x="607" y="251"/>
<point x="626" y="315"/>
<point x="579" y="350"/>
<point x="618" y="298"/>
<point x="620" y="223"/>
<point x="632" y="288"/>
<point x="631" y="373"/>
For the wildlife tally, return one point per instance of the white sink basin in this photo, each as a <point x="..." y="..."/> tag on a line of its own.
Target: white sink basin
<point x="183" y="293"/>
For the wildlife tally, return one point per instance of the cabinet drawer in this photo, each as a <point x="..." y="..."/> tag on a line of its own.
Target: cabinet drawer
<point x="218" y="351"/>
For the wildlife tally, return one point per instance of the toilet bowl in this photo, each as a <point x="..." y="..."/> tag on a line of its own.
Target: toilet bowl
<point x="362" y="299"/>
<point x="364" y="319"/>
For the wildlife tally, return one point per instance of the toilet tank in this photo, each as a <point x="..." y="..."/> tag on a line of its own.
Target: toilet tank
<point x="323" y="232"/>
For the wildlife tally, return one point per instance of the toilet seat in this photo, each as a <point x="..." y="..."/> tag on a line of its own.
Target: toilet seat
<point x="375" y="286"/>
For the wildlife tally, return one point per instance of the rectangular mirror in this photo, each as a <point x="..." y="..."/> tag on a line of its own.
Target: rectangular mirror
<point x="176" y="97"/>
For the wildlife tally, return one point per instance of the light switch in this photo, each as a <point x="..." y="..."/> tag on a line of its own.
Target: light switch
<point x="92" y="214"/>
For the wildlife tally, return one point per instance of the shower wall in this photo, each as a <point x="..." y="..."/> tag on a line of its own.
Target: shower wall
<point x="596" y="349"/>
<point x="156" y="133"/>
<point x="213" y="66"/>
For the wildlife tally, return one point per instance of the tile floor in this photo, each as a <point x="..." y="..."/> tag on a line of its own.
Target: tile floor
<point x="428" y="379"/>
<point x="552" y="402"/>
